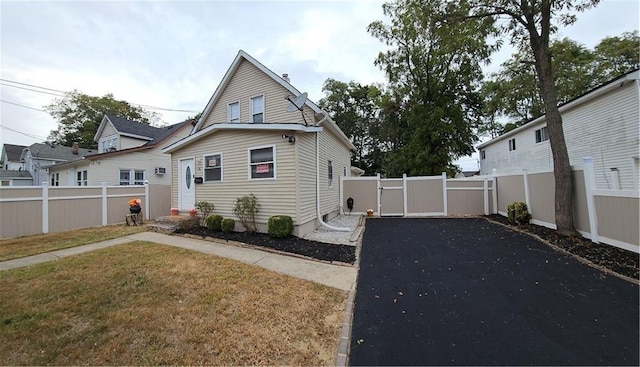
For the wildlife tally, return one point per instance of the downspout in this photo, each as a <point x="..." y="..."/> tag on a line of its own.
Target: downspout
<point x="339" y="229"/>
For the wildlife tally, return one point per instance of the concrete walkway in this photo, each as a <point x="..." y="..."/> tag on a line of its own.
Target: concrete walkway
<point x="336" y="276"/>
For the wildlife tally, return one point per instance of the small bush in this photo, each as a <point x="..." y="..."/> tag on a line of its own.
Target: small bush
<point x="246" y="209"/>
<point x="228" y="225"/>
<point x="204" y="210"/>
<point x="214" y="222"/>
<point x="280" y="226"/>
<point x="518" y="212"/>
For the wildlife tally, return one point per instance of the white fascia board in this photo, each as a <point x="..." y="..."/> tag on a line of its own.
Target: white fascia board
<point x="227" y="76"/>
<point x="567" y="106"/>
<point x="336" y="130"/>
<point x="104" y="121"/>
<point x="255" y="127"/>
<point x="136" y="136"/>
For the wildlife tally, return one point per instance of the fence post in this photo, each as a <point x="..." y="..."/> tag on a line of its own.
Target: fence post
<point x="589" y="184"/>
<point x="378" y="196"/>
<point x="146" y="199"/>
<point x="444" y="193"/>
<point x="486" y="196"/>
<point x="495" y="193"/>
<point x="104" y="204"/>
<point x="527" y="200"/>
<point x="404" y="192"/>
<point x="45" y="207"/>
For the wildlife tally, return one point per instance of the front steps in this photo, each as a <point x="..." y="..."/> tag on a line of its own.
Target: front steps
<point x="170" y="223"/>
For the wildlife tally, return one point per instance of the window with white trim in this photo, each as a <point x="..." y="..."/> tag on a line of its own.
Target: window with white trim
<point x="330" y="173"/>
<point x="55" y="179"/>
<point x="262" y="163"/>
<point x="81" y="178"/>
<point x="213" y="167"/>
<point x="541" y="135"/>
<point x="131" y="177"/>
<point x="109" y="144"/>
<point x="512" y="144"/>
<point x="233" y="112"/>
<point x="257" y="109"/>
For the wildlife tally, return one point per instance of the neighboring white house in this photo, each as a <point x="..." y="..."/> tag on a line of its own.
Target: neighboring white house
<point x="251" y="140"/>
<point x="129" y="153"/>
<point x="12" y="172"/>
<point x="38" y="157"/>
<point x="604" y="124"/>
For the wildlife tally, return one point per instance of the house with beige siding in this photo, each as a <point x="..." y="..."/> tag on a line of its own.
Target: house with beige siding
<point x="603" y="124"/>
<point x="129" y="153"/>
<point x="247" y="142"/>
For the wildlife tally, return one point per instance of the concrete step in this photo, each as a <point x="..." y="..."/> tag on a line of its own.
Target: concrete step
<point x="162" y="228"/>
<point x="179" y="221"/>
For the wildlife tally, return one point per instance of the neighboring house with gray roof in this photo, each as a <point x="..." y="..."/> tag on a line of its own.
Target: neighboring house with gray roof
<point x="39" y="157"/>
<point x="128" y="154"/>
<point x="11" y="157"/>
<point x="15" y="178"/>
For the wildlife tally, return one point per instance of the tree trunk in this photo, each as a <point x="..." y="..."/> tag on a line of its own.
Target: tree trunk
<point x="561" y="166"/>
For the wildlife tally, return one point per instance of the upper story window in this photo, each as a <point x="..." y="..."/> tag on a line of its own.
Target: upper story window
<point x="541" y="135"/>
<point x="109" y="144"/>
<point x="512" y="144"/>
<point x="213" y="167"/>
<point x="257" y="109"/>
<point x="262" y="162"/>
<point x="234" y="112"/>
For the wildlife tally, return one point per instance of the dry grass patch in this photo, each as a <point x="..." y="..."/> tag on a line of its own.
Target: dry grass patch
<point x="14" y="248"/>
<point x="147" y="304"/>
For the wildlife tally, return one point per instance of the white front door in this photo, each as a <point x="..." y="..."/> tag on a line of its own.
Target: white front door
<point x="186" y="186"/>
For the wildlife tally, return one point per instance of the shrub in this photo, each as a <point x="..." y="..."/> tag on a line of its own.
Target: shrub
<point x="228" y="225"/>
<point x="214" y="222"/>
<point x="246" y="209"/>
<point x="518" y="212"/>
<point x="204" y="210"/>
<point x="280" y="226"/>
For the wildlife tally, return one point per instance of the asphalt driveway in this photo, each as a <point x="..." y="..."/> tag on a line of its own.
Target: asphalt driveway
<point x="468" y="292"/>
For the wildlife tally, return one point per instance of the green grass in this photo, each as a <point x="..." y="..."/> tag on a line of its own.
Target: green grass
<point x="14" y="248"/>
<point x="143" y="304"/>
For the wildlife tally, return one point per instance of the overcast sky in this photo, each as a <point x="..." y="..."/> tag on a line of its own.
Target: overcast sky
<point x="173" y="54"/>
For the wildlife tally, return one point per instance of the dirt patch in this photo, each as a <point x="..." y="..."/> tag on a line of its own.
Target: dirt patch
<point x="609" y="257"/>
<point x="291" y="244"/>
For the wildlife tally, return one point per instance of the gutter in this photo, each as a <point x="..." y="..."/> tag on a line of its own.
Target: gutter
<point x="319" y="215"/>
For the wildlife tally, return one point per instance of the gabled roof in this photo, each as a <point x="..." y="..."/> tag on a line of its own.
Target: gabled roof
<point x="13" y="152"/>
<point x="229" y="74"/>
<point x="5" y="173"/>
<point x="135" y="129"/>
<point x="592" y="94"/>
<point x="56" y="152"/>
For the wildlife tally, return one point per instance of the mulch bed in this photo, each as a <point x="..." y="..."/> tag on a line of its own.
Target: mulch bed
<point x="291" y="244"/>
<point x="609" y="257"/>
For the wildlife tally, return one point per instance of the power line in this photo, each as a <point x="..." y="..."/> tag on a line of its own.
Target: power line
<point x="23" y="106"/>
<point x="25" y="134"/>
<point x="33" y="90"/>
<point x="63" y="92"/>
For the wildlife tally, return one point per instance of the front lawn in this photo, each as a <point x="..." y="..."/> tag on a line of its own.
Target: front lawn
<point x="147" y="304"/>
<point x="14" y="248"/>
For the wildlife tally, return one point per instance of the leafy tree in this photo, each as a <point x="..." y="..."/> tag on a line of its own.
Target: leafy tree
<point x="530" y="23"/>
<point x="355" y="108"/>
<point x="79" y="115"/>
<point x="617" y="55"/>
<point x="433" y="68"/>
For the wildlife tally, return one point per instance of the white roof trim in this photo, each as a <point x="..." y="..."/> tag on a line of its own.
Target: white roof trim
<point x="572" y="104"/>
<point x="227" y="77"/>
<point x="235" y="126"/>
<point x="135" y="136"/>
<point x="101" y="127"/>
<point x="336" y="130"/>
